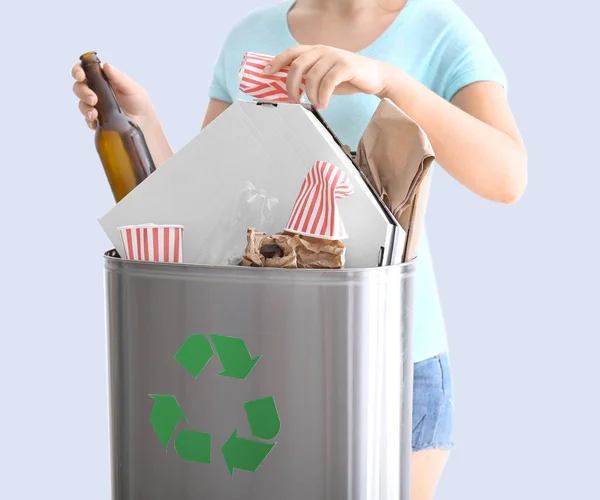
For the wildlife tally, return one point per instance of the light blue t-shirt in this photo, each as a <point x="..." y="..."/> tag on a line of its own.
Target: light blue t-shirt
<point x="433" y="41"/>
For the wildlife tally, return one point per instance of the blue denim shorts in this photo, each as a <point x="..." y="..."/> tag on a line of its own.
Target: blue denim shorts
<point x="433" y="404"/>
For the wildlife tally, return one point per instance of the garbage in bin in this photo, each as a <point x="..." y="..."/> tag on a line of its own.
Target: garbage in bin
<point x="153" y="243"/>
<point x="254" y="208"/>
<point x="292" y="251"/>
<point x="315" y="212"/>
<point x="312" y="237"/>
<point x="273" y="146"/>
<point x="395" y="155"/>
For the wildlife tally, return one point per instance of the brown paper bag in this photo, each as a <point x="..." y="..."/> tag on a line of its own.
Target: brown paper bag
<point x="414" y="219"/>
<point x="287" y="250"/>
<point x="395" y="155"/>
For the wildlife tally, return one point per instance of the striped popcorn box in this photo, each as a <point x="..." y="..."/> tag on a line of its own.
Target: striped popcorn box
<point x="153" y="243"/>
<point x="315" y="211"/>
<point x="264" y="87"/>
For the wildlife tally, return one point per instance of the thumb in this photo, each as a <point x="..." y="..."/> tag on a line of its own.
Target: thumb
<point x="120" y="81"/>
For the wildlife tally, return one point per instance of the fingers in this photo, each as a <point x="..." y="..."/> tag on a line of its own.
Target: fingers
<point x="120" y="80"/>
<point x="323" y="68"/>
<point x="298" y="68"/>
<point x="77" y="72"/>
<point x="286" y="58"/>
<point x="90" y="113"/>
<point x="117" y="79"/>
<point x="84" y="93"/>
<point x="335" y="76"/>
<point x="314" y="78"/>
<point x="87" y="98"/>
<point x="80" y="88"/>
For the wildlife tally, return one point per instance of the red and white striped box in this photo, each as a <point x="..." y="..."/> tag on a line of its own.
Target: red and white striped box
<point x="153" y="243"/>
<point x="315" y="212"/>
<point x="264" y="87"/>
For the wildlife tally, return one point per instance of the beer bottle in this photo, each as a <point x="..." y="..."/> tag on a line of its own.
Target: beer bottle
<point x="119" y="140"/>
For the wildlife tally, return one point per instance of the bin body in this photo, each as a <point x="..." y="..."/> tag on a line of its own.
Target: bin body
<point x="335" y="355"/>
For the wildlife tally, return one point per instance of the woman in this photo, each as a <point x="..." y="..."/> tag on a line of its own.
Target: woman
<point x="427" y="57"/>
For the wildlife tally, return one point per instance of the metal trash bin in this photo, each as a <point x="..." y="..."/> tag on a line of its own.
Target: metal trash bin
<point x="323" y="414"/>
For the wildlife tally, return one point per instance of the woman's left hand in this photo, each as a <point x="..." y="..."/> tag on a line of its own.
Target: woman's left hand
<point x="328" y="71"/>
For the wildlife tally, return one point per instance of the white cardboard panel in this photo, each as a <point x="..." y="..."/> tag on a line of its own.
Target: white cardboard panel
<point x="274" y="147"/>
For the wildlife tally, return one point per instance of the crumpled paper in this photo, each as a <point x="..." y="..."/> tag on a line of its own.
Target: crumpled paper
<point x="293" y="251"/>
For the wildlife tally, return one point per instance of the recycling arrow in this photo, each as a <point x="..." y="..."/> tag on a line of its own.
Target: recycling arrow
<point x="244" y="454"/>
<point x="193" y="446"/>
<point x="194" y="354"/>
<point x="234" y="356"/>
<point x="164" y="417"/>
<point x="263" y="418"/>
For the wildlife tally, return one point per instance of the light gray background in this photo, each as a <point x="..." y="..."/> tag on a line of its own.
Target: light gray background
<point x="519" y="284"/>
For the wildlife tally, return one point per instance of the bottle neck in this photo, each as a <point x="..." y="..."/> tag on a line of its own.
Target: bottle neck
<point x="107" y="104"/>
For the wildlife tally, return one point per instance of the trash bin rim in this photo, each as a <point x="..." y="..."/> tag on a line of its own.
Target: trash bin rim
<point x="113" y="262"/>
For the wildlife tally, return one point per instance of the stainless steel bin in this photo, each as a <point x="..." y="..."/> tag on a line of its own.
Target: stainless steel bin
<point x="194" y="419"/>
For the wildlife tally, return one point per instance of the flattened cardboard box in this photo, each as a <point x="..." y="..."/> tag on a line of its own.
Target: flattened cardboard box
<point x="274" y="147"/>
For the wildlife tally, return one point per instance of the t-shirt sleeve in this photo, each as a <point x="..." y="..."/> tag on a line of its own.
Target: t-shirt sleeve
<point x="218" y="86"/>
<point x="467" y="58"/>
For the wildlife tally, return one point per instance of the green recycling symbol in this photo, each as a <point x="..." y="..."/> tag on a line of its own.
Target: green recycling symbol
<point x="194" y="446"/>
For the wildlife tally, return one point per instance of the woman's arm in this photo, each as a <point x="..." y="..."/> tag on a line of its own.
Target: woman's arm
<point x="157" y="140"/>
<point x="214" y="109"/>
<point x="475" y="137"/>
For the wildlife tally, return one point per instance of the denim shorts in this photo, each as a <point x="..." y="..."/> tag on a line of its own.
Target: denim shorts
<point x="433" y="404"/>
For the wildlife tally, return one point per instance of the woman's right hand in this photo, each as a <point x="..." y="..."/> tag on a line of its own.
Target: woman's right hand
<point x="131" y="95"/>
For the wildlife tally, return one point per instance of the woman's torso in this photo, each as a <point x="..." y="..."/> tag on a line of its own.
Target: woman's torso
<point x="419" y="40"/>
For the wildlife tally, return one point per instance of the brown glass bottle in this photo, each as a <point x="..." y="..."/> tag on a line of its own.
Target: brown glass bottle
<point x="119" y="140"/>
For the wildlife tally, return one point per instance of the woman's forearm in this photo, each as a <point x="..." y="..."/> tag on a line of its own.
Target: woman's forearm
<point x="155" y="138"/>
<point x="486" y="160"/>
